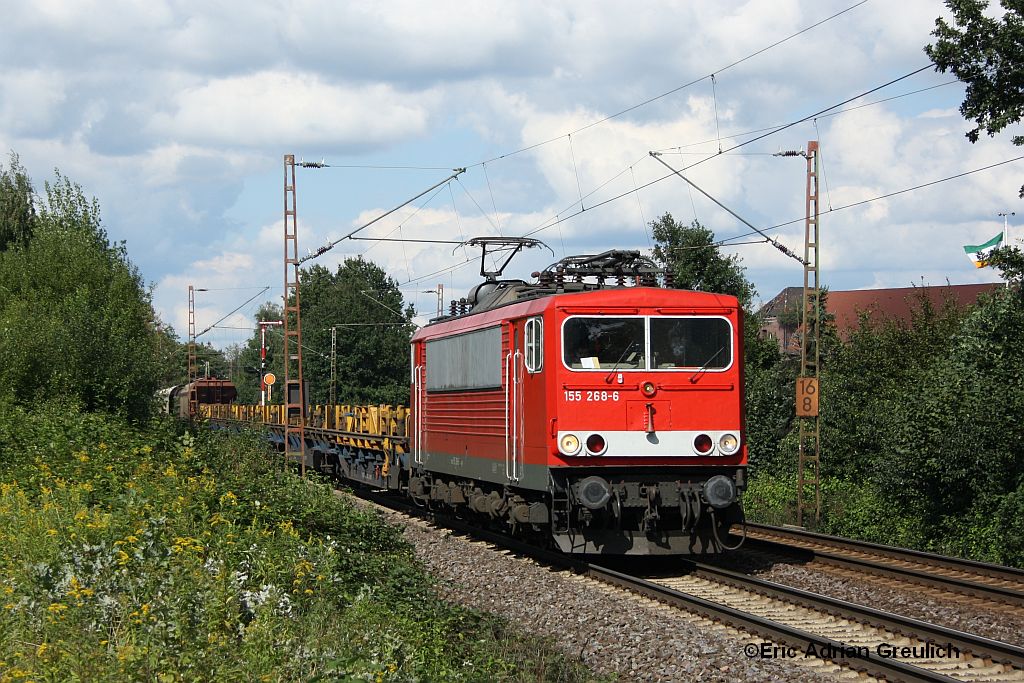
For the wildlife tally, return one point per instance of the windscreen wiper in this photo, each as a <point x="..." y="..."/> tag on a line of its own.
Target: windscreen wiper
<point x="621" y="356"/>
<point x="703" y="368"/>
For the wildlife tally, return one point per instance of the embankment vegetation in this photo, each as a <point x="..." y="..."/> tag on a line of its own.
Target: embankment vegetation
<point x="136" y="549"/>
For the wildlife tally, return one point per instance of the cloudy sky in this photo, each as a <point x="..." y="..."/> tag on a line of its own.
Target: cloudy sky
<point x="176" y="116"/>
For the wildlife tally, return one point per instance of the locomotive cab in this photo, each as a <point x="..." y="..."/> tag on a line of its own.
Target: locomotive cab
<point x="648" y="436"/>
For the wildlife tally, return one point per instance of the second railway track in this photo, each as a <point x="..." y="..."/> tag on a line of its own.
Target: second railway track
<point x="996" y="587"/>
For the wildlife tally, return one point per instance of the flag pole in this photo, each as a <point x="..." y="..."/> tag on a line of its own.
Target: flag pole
<point x="1007" y="242"/>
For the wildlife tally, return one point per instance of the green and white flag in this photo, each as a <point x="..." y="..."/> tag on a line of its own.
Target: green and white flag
<point x="979" y="253"/>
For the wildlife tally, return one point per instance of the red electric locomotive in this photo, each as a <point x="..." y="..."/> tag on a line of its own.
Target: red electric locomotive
<point x="591" y="408"/>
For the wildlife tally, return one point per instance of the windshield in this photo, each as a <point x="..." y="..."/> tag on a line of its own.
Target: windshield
<point x="642" y="343"/>
<point x="690" y="343"/>
<point x="601" y="343"/>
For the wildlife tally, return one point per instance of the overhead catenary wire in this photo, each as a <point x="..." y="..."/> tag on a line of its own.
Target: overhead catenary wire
<point x="406" y="239"/>
<point x="324" y="164"/>
<point x="232" y="312"/>
<point x="668" y="150"/>
<point x="560" y="218"/>
<point x="773" y="131"/>
<point x="676" y="89"/>
<point x="330" y="245"/>
<point x="398" y="228"/>
<point x="775" y="243"/>
<point x="884" y="196"/>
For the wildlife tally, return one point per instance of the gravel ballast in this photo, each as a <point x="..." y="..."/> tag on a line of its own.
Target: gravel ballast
<point x="613" y="632"/>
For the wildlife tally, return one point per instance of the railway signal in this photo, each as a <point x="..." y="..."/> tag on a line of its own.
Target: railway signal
<point x="265" y="357"/>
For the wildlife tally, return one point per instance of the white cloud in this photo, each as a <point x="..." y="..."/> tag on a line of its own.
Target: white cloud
<point x="283" y="108"/>
<point x="29" y="100"/>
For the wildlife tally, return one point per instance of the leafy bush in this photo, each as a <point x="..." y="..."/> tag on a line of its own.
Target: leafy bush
<point x="163" y="555"/>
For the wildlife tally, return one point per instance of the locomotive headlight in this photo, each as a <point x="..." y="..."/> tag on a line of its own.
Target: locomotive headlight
<point x="569" y="444"/>
<point x="719" y="491"/>
<point x="648" y="389"/>
<point x="729" y="443"/>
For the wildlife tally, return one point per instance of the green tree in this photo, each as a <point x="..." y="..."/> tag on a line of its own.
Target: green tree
<point x="373" y="327"/>
<point x="17" y="206"/>
<point x="954" y="456"/>
<point x="1010" y="263"/>
<point x="690" y="254"/>
<point x="75" y="320"/>
<point x="987" y="55"/>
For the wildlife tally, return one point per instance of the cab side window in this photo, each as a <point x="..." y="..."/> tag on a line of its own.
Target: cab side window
<point x="534" y="333"/>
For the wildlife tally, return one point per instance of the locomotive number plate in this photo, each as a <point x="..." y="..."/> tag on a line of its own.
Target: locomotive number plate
<point x="583" y="396"/>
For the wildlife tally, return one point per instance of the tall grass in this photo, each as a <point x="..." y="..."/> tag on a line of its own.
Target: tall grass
<point x="159" y="555"/>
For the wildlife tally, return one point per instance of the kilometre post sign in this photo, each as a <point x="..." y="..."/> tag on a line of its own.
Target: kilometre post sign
<point x="807" y="396"/>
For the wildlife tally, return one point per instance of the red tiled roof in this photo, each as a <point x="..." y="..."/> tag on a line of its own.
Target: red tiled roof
<point x="896" y="304"/>
<point x="879" y="304"/>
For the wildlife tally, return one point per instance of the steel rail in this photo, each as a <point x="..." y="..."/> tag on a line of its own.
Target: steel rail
<point x="869" y="663"/>
<point x="968" y="643"/>
<point x="955" y="584"/>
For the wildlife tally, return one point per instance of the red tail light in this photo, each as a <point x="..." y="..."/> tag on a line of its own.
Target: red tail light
<point x="703" y="444"/>
<point x="596" y="444"/>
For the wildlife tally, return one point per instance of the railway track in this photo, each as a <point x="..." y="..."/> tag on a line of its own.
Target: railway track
<point x="794" y="623"/>
<point x="988" y="585"/>
<point x="871" y="641"/>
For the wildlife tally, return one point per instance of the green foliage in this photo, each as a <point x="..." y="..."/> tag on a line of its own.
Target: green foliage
<point x="162" y="555"/>
<point x="956" y="447"/>
<point x="1009" y="261"/>
<point x="920" y="433"/>
<point x="17" y="206"/>
<point x="689" y="252"/>
<point x="75" y="320"/>
<point x="373" y="330"/>
<point x="770" y="398"/>
<point x="373" y="340"/>
<point x="866" y="379"/>
<point x="986" y="54"/>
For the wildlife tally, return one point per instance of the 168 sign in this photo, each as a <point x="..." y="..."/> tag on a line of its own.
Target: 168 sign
<point x="807" y="396"/>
